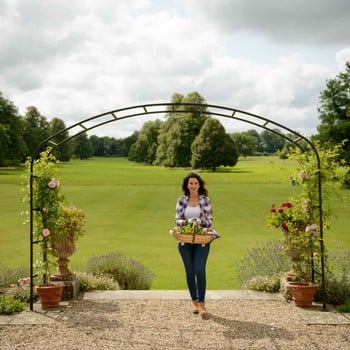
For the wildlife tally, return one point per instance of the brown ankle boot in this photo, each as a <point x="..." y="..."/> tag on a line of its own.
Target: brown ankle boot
<point x="195" y="306"/>
<point x="201" y="309"/>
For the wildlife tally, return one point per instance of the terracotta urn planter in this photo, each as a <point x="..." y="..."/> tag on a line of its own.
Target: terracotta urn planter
<point x="63" y="248"/>
<point x="49" y="295"/>
<point x="303" y="293"/>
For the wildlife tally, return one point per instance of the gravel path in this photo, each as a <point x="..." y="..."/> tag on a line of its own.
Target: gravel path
<point x="169" y="324"/>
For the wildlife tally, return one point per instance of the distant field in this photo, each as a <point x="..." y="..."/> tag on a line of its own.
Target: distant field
<point x="130" y="208"/>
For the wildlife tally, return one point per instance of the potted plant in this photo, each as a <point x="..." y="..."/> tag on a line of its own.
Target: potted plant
<point x="68" y="228"/>
<point x="49" y="293"/>
<point x="300" y="235"/>
<point x="300" y="244"/>
<point x="298" y="218"/>
<point x="53" y="222"/>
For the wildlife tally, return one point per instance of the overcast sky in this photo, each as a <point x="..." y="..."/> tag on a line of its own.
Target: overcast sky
<point x="75" y="59"/>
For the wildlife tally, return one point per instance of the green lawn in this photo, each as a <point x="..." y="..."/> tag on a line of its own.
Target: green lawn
<point x="130" y="208"/>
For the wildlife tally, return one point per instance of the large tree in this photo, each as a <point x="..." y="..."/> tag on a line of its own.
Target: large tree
<point x="104" y="146"/>
<point x="213" y="147"/>
<point x="12" y="146"/>
<point x="259" y="142"/>
<point x="144" y="149"/>
<point x="36" y="128"/>
<point x="107" y="146"/>
<point x="272" y="142"/>
<point x="98" y="145"/>
<point x="246" y="143"/>
<point x="180" y="129"/>
<point x="127" y="143"/>
<point x="335" y="112"/>
<point x="82" y="147"/>
<point x="64" y="151"/>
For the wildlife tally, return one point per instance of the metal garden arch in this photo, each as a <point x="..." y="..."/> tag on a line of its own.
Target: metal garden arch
<point x="163" y="108"/>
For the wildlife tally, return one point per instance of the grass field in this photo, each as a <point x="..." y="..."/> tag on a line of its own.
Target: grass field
<point x="130" y="208"/>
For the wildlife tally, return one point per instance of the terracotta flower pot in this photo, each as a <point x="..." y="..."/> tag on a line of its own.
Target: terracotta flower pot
<point x="50" y="295"/>
<point x="303" y="294"/>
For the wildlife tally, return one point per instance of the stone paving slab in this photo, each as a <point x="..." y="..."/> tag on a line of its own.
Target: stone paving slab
<point x="37" y="316"/>
<point x="315" y="316"/>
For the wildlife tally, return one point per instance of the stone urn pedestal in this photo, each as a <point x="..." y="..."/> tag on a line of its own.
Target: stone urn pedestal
<point x="70" y="287"/>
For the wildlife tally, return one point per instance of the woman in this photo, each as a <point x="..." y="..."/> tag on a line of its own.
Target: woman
<point x="195" y="203"/>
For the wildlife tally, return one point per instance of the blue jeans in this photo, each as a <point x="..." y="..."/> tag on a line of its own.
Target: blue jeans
<point x="194" y="257"/>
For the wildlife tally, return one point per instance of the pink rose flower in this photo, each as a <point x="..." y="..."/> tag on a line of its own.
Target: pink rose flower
<point x="54" y="183"/>
<point x="46" y="232"/>
<point x="24" y="280"/>
<point x="314" y="227"/>
<point x="302" y="175"/>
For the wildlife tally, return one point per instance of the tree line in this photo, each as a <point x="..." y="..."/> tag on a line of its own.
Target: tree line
<point x="21" y="135"/>
<point x="187" y="139"/>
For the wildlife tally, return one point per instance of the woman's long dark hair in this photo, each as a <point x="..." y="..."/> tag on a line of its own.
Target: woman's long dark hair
<point x="202" y="190"/>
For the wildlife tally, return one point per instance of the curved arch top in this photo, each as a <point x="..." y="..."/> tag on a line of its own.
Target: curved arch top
<point x="164" y="108"/>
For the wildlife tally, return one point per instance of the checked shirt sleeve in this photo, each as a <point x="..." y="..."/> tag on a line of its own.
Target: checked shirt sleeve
<point x="181" y="205"/>
<point x="206" y="212"/>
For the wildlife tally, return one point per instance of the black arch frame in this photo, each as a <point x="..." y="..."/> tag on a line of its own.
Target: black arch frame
<point x="164" y="108"/>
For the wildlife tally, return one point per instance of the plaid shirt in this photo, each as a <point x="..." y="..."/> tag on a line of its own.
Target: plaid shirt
<point x="206" y="212"/>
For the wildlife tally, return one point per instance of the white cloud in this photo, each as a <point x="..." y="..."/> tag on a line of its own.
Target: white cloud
<point x="342" y="57"/>
<point x="311" y="22"/>
<point x="76" y="59"/>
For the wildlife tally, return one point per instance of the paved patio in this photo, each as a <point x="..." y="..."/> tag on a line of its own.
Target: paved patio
<point x="162" y="320"/>
<point x="314" y="315"/>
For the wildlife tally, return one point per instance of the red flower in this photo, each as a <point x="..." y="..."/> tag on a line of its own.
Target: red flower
<point x="284" y="226"/>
